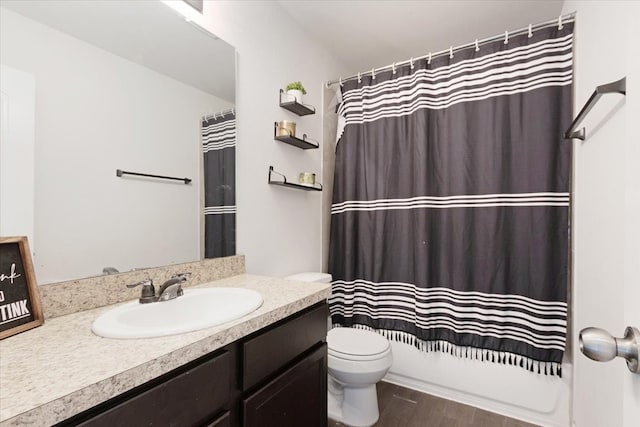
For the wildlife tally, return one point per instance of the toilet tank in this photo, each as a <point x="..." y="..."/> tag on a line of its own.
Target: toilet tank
<point x="316" y="277"/>
<point x="311" y="277"/>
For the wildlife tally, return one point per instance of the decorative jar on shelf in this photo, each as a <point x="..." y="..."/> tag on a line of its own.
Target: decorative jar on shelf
<point x="286" y="128"/>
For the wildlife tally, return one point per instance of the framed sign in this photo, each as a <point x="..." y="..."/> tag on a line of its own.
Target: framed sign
<point x="20" y="307"/>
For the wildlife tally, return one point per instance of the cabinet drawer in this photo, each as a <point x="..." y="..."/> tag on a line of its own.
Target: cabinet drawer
<point x="298" y="397"/>
<point x="190" y="398"/>
<point x="271" y="350"/>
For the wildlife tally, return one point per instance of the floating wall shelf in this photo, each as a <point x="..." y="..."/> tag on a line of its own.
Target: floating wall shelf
<point x="285" y="183"/>
<point x="303" y="143"/>
<point x="296" y="107"/>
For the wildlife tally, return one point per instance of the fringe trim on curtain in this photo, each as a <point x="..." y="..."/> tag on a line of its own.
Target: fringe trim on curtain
<point x="484" y="355"/>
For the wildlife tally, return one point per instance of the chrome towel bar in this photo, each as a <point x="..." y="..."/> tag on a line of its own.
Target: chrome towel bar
<point x="619" y="86"/>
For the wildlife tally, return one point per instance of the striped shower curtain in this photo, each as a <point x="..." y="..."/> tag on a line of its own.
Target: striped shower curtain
<point x="219" y="147"/>
<point x="450" y="212"/>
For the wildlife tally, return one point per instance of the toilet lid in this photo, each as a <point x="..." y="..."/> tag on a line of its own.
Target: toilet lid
<point x="356" y="342"/>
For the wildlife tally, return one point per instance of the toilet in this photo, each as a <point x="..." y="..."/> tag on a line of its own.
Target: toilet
<point x="357" y="360"/>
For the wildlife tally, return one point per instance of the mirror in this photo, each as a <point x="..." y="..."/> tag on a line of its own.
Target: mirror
<point x="101" y="86"/>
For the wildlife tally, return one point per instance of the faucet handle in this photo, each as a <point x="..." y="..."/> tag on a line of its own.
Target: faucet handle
<point x="182" y="276"/>
<point x="148" y="293"/>
<point x="145" y="282"/>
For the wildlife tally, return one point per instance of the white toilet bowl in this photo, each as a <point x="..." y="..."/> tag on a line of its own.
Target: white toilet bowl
<point x="357" y="360"/>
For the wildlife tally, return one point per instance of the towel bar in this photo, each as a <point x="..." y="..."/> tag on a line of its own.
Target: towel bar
<point x="619" y="86"/>
<point x="120" y="172"/>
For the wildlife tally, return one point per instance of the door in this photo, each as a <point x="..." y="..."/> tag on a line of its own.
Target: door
<point x="631" y="386"/>
<point x="606" y="217"/>
<point x="17" y="110"/>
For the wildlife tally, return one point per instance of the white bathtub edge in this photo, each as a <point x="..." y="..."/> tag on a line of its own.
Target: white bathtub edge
<point x="505" y="390"/>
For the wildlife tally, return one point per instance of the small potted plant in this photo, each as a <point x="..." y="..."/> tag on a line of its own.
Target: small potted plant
<point x="296" y="90"/>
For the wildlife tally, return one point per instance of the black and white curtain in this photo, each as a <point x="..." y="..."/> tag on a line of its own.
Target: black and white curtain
<point x="219" y="147"/>
<point x="450" y="212"/>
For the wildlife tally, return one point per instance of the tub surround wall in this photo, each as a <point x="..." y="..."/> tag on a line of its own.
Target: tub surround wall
<point x="50" y="373"/>
<point x="72" y="296"/>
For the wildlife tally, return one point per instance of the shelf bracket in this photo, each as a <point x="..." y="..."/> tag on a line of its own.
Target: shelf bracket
<point x="296" y="107"/>
<point x="304" y="143"/>
<point x="285" y="183"/>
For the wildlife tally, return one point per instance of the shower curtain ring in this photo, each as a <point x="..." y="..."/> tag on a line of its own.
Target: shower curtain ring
<point x="560" y="22"/>
<point x="477" y="47"/>
<point x="359" y="78"/>
<point x="429" y="59"/>
<point x="412" y="66"/>
<point x="506" y="37"/>
<point x="530" y="31"/>
<point x="393" y="67"/>
<point x="450" y="52"/>
<point x="373" y="73"/>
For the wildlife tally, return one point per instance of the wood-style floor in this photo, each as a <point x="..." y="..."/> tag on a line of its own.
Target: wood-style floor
<point x="402" y="407"/>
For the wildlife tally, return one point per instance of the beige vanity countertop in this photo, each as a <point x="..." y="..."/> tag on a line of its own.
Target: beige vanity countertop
<point x="52" y="372"/>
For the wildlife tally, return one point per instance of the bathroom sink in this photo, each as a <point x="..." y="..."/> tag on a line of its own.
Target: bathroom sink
<point x="196" y="309"/>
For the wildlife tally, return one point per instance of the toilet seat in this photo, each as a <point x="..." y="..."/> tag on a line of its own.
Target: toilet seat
<point x="356" y="344"/>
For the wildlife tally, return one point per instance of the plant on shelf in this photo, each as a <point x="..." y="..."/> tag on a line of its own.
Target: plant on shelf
<point x="296" y="90"/>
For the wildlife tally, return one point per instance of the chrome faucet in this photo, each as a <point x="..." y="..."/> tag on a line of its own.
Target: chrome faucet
<point x="172" y="288"/>
<point x="169" y="290"/>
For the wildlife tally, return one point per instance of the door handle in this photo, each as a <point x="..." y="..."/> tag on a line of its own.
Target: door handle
<point x="599" y="345"/>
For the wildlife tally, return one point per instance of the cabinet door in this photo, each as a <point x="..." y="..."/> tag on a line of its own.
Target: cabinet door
<point x="269" y="351"/>
<point x="296" y="398"/>
<point x="190" y="398"/>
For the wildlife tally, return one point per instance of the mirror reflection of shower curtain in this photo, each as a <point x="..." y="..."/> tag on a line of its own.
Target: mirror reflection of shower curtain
<point x="219" y="148"/>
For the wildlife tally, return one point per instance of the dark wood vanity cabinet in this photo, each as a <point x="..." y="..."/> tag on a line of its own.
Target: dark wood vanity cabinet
<point x="298" y="397"/>
<point x="192" y="396"/>
<point x="275" y="377"/>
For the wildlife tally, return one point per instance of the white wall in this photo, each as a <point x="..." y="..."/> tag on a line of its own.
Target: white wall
<point x="95" y="113"/>
<point x="606" y="206"/>
<point x="279" y="229"/>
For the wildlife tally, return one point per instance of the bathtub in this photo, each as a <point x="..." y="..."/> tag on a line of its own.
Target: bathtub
<point x="504" y="389"/>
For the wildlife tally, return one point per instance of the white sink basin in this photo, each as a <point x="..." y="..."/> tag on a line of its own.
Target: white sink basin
<point x="196" y="309"/>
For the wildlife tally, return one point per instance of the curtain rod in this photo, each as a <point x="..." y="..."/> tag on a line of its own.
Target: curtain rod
<point x="220" y="113"/>
<point x="562" y="19"/>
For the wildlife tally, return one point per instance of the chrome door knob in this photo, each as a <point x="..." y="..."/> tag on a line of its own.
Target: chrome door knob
<point x="598" y="344"/>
